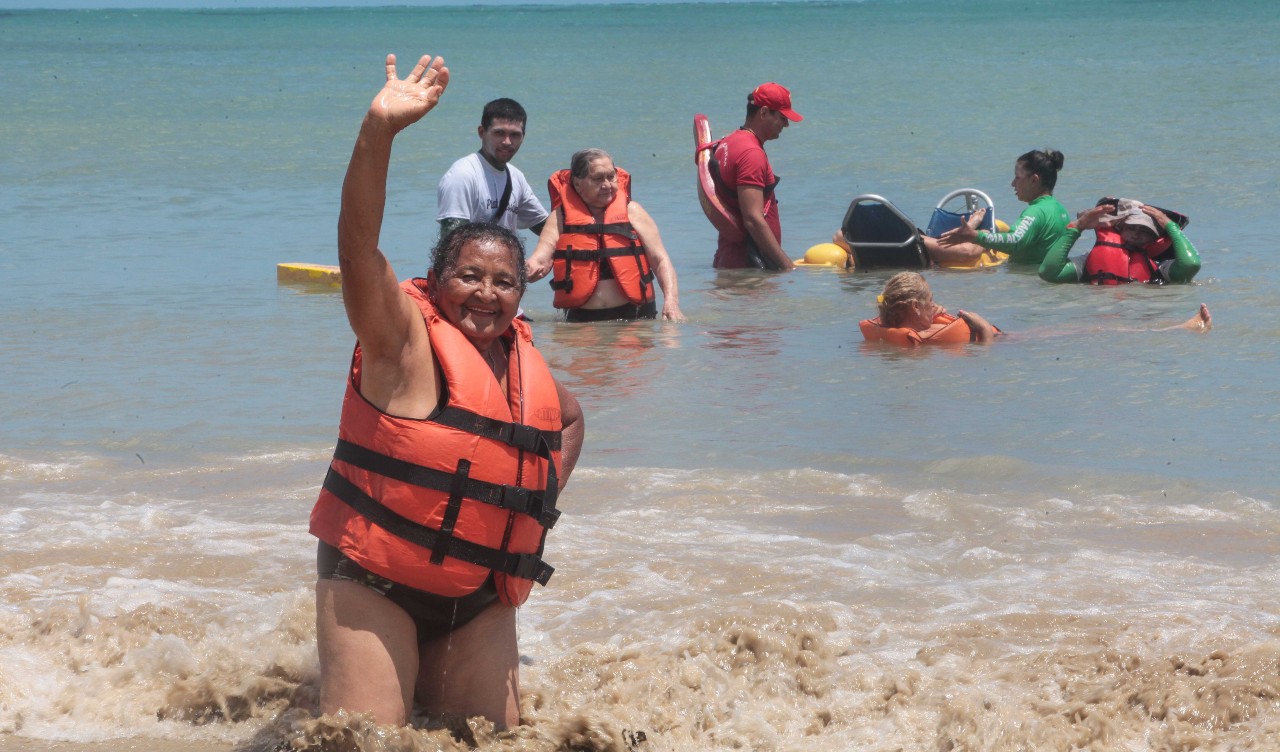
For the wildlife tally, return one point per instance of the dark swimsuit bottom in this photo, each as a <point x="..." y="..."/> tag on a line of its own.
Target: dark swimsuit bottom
<point x="624" y="312"/>
<point x="433" y="615"/>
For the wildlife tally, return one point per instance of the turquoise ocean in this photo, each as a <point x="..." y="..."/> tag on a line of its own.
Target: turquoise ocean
<point x="778" y="537"/>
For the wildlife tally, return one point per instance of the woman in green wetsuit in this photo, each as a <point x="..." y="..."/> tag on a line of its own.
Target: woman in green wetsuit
<point x="1039" y="226"/>
<point x="1138" y="226"/>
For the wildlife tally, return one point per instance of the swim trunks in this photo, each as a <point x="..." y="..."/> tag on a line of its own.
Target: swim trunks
<point x="433" y="615"/>
<point x="624" y="312"/>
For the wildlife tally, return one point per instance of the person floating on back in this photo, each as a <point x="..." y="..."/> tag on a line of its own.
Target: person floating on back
<point x="909" y="317"/>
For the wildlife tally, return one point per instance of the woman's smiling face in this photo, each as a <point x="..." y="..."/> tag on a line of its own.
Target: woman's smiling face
<point x="481" y="293"/>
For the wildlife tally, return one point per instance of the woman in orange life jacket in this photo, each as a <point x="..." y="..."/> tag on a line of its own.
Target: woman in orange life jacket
<point x="592" y="285"/>
<point x="908" y="316"/>
<point x="1135" y="243"/>
<point x="384" y="644"/>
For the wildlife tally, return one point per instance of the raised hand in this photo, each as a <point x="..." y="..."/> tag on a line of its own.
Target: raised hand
<point x="402" y="103"/>
<point x="1160" y="217"/>
<point x="966" y="232"/>
<point x="537" y="266"/>
<point x="1091" y="218"/>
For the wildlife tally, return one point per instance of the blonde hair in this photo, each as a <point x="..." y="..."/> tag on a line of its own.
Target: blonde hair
<point x="902" y="289"/>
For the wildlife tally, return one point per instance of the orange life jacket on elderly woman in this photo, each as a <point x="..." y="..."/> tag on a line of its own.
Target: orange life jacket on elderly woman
<point x="954" y="331"/>
<point x="1112" y="262"/>
<point x="440" y="504"/>
<point x="590" y="250"/>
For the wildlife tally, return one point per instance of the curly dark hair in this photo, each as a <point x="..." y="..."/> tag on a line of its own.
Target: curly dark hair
<point x="444" y="257"/>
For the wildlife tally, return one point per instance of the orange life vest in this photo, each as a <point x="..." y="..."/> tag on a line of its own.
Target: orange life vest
<point x="438" y="504"/>
<point x="1111" y="262"/>
<point x="585" y="243"/>
<point x="955" y="331"/>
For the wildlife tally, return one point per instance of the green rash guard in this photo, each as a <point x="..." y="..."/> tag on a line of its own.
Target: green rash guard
<point x="1058" y="267"/>
<point x="1039" y="227"/>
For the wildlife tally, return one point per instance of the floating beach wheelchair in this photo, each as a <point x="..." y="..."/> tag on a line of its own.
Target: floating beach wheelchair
<point x="880" y="236"/>
<point x="944" y="219"/>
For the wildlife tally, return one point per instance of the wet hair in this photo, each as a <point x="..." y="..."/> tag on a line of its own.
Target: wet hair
<point x="1044" y="163"/>
<point x="902" y="289"/>
<point x="502" y="109"/>
<point x="581" y="161"/>
<point x="444" y="257"/>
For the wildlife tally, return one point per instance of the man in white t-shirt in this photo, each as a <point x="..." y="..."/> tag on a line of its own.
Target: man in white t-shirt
<point x="484" y="187"/>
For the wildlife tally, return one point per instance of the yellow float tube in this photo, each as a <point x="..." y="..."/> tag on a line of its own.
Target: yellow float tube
<point x="986" y="260"/>
<point x="825" y="254"/>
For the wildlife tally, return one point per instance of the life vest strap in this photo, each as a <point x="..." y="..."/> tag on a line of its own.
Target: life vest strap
<point x="541" y="506"/>
<point x="572" y="255"/>
<point x="517" y="435"/>
<point x="600" y="228"/>
<point x="524" y="566"/>
<point x="451" y="511"/>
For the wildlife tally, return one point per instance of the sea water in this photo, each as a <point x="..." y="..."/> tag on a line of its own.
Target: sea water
<point x="778" y="537"/>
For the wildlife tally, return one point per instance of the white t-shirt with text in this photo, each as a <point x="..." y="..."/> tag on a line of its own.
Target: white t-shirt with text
<point x="472" y="190"/>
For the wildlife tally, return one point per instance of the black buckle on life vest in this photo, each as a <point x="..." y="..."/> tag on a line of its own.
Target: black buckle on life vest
<point x="531" y="567"/>
<point x="521" y="436"/>
<point x="527" y="502"/>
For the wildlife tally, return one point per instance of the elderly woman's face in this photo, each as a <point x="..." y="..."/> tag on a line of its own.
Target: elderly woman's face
<point x="600" y="185"/>
<point x="481" y="293"/>
<point x="1136" y="234"/>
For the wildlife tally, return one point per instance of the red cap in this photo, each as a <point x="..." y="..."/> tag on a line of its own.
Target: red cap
<point x="777" y="98"/>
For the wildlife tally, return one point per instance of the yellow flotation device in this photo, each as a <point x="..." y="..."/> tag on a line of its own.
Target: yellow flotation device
<point x="825" y="254"/>
<point x="307" y="274"/>
<point x="988" y="259"/>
